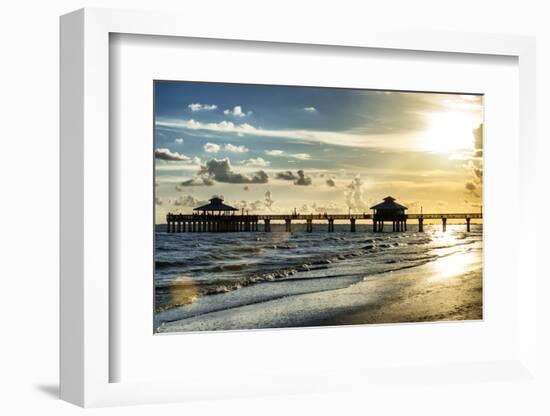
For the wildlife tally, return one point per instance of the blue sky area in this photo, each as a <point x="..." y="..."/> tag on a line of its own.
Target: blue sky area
<point x="275" y="148"/>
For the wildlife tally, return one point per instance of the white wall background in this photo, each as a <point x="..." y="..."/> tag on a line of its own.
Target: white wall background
<point x="29" y="57"/>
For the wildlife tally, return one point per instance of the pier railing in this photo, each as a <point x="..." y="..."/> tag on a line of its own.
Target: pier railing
<point x="246" y="223"/>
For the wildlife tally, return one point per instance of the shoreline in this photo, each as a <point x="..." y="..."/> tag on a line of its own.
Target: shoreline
<point x="447" y="289"/>
<point x="460" y="299"/>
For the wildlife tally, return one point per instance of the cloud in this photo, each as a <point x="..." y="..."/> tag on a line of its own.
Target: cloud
<point x="310" y="109"/>
<point x="331" y="183"/>
<point x="268" y="200"/>
<point x="235" y="149"/>
<point x="179" y="140"/>
<point x="472" y="189"/>
<point x="189" y="201"/>
<point x="166" y="154"/>
<point x="221" y="171"/>
<point x="330" y="207"/>
<point x="478" y="141"/>
<point x="302" y="179"/>
<point x="355" y="199"/>
<point x="211" y="148"/>
<point x="252" y="206"/>
<point x="351" y="138"/>
<point x="299" y="178"/>
<point x="280" y="153"/>
<point x="475" y="165"/>
<point x="158" y="200"/>
<point x="286" y="176"/>
<point x="202" y="107"/>
<point x="478" y="172"/>
<point x="236" y="112"/>
<point x="198" y="181"/>
<point x="255" y="162"/>
<point x="402" y="128"/>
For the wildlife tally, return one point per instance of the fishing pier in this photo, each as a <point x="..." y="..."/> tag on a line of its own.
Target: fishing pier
<point x="217" y="217"/>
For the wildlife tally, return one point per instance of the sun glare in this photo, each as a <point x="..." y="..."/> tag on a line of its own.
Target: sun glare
<point x="448" y="132"/>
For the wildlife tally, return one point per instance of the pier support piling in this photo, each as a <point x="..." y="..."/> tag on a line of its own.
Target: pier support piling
<point x="468" y="224"/>
<point x="352" y="225"/>
<point x="421" y="225"/>
<point x="288" y="225"/>
<point x="444" y="220"/>
<point x="309" y="225"/>
<point x="331" y="225"/>
<point x="267" y="225"/>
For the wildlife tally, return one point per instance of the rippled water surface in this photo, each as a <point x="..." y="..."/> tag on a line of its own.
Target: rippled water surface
<point x="200" y="273"/>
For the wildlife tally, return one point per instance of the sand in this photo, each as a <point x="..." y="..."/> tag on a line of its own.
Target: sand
<point x="449" y="288"/>
<point x="419" y="295"/>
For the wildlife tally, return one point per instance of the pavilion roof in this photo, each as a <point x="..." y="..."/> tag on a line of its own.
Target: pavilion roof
<point x="216" y="204"/>
<point x="389" y="204"/>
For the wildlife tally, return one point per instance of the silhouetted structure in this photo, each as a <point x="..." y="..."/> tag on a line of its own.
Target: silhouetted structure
<point x="216" y="205"/>
<point x="389" y="210"/>
<point x="217" y="217"/>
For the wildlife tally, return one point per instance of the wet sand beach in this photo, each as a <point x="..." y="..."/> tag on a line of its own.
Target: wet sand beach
<point x="432" y="292"/>
<point x="449" y="288"/>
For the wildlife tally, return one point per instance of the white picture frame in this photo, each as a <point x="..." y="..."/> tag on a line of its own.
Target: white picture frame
<point x="85" y="217"/>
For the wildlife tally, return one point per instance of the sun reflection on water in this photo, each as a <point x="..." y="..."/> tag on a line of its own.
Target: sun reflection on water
<point x="453" y="260"/>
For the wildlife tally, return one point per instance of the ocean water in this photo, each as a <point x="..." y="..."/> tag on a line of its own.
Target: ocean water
<point x="198" y="274"/>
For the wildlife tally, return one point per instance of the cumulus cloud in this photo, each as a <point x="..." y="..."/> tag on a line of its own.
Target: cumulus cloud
<point x="354" y="196"/>
<point x="255" y="162"/>
<point x="166" y="154"/>
<point x="221" y="171"/>
<point x="475" y="165"/>
<point x="249" y="206"/>
<point x="198" y="181"/>
<point x="299" y="178"/>
<point x="327" y="207"/>
<point x="280" y="153"/>
<point x="235" y="149"/>
<point x="179" y="140"/>
<point x="302" y="179"/>
<point x="472" y="189"/>
<point x="268" y="200"/>
<point x="211" y="148"/>
<point x="236" y="112"/>
<point x="331" y="183"/>
<point x="286" y="176"/>
<point x="202" y="107"/>
<point x="310" y="109"/>
<point x="478" y="140"/>
<point x="189" y="201"/>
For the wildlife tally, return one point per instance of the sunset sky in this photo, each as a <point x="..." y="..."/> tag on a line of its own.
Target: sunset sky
<point x="273" y="149"/>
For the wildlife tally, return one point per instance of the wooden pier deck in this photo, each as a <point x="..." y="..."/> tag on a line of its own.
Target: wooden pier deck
<point x="177" y="223"/>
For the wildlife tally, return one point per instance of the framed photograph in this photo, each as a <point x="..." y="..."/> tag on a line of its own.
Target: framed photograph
<point x="279" y="226"/>
<point x="315" y="201"/>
